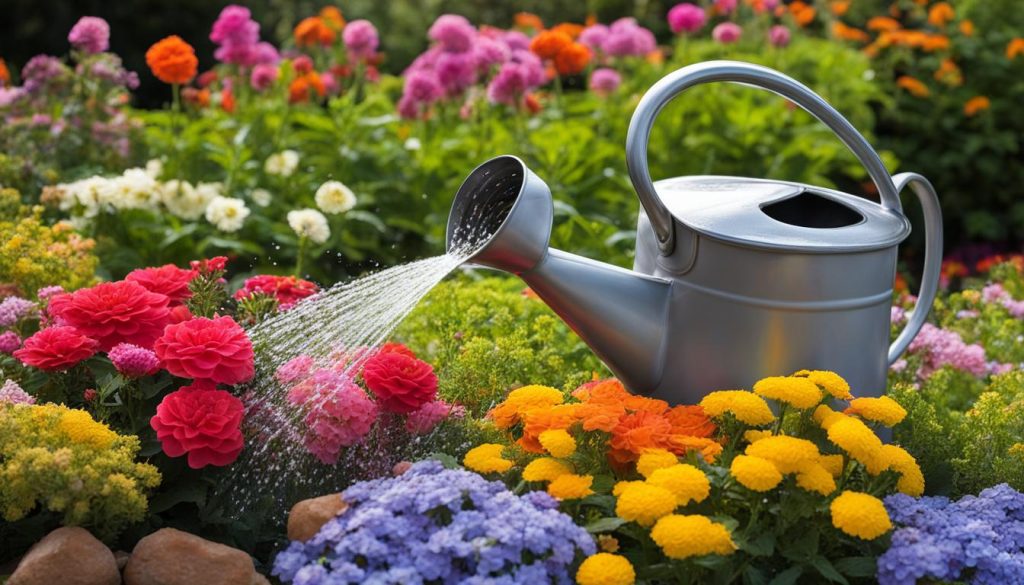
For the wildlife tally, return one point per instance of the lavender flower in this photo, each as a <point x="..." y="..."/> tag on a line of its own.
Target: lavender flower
<point x="941" y="347"/>
<point x="12" y="393"/>
<point x="361" y="39"/>
<point x="40" y="70"/>
<point x="9" y="342"/>
<point x="432" y="524"/>
<point x="13" y="309"/>
<point x="90" y="34"/>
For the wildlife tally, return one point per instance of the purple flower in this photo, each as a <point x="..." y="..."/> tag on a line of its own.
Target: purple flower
<point x="361" y="40"/>
<point x="687" y="18"/>
<point x="12" y="393"/>
<point x="516" y="40"/>
<point x="90" y="34"/>
<point x="456" y="72"/>
<point x="594" y="36"/>
<point x="13" y="309"/>
<point x="133" y="361"/>
<point x="627" y="38"/>
<point x="727" y="32"/>
<point x="9" y="95"/>
<point x="267" y="54"/>
<point x="454" y="33"/>
<point x="48" y="292"/>
<point x="40" y="70"/>
<point x="604" y="81"/>
<point x="509" y="85"/>
<point x="9" y="342"/>
<point x="263" y="76"/>
<point x="423" y="87"/>
<point x="489" y="52"/>
<point x="778" y="35"/>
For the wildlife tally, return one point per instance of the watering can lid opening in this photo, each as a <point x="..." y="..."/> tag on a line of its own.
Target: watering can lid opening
<point x="780" y="215"/>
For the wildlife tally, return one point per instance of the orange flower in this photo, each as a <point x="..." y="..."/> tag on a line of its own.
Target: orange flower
<point x="546" y="418"/>
<point x="571" y="29"/>
<point x="172" y="60"/>
<point x="690" y="420"/>
<point x="1015" y="47"/>
<point x="900" y="284"/>
<point x="934" y="43"/>
<point x="967" y="28"/>
<point x="849" y="33"/>
<point x="602" y="391"/>
<point x="839" y="7"/>
<point x="306" y="87"/>
<point x="953" y="269"/>
<point x="914" y="86"/>
<point x="5" y="74"/>
<point x="883" y="23"/>
<point x="976" y="104"/>
<point x="940" y="14"/>
<point x="634" y="402"/>
<point x="949" y="73"/>
<point x="532" y="103"/>
<point x="528" y="20"/>
<point x="708" y="448"/>
<point x="655" y="57"/>
<point x="313" y="31"/>
<point x="227" y="101"/>
<point x="600" y="417"/>
<point x="572" y="59"/>
<point x="637" y="432"/>
<point x="548" y="44"/>
<point x="802" y="12"/>
<point x="331" y="16"/>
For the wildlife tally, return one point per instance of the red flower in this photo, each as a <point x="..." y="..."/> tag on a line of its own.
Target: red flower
<point x="216" y="350"/>
<point x="201" y="421"/>
<point x="394" y="347"/>
<point x="168" y="280"/>
<point x="288" y="290"/>
<point x="56" y="348"/>
<point x="179" y="314"/>
<point x="114" y="312"/>
<point x="401" y="383"/>
<point x="215" y="264"/>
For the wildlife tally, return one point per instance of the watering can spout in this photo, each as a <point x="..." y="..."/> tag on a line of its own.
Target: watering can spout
<point x="501" y="218"/>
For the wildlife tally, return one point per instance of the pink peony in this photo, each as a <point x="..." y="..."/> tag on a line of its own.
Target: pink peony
<point x="114" y="312"/>
<point x="361" y="39"/>
<point x="604" y="81"/>
<point x="456" y="72"/>
<point x="423" y="420"/>
<point x="338" y="413"/>
<point x="133" y="361"/>
<point x="727" y="32"/>
<point x="686" y="18"/>
<point x="12" y="393"/>
<point x="168" y="280"/>
<point x="9" y="342"/>
<point x="215" y="350"/>
<point x="235" y="26"/>
<point x="454" y="33"/>
<point x="90" y="34"/>
<point x="202" y="422"/>
<point x="56" y="348"/>
<point x="778" y="35"/>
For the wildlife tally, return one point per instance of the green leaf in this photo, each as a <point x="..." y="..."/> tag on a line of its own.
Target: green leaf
<point x="753" y="576"/>
<point x="788" y="577"/>
<point x="447" y="460"/>
<point x="762" y="546"/>
<point x="827" y="571"/>
<point x="857" y="566"/>
<point x="194" y="492"/>
<point x="604" y="525"/>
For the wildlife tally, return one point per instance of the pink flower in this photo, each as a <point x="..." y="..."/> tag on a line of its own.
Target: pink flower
<point x="941" y="347"/>
<point x="994" y="293"/>
<point x="237" y="34"/>
<point x="168" y="280"/>
<point x="454" y="33"/>
<point x="361" y="39"/>
<point x="509" y="85"/>
<point x="423" y="420"/>
<point x="203" y="422"/>
<point x="456" y="72"/>
<point x="133" y="361"/>
<point x="90" y="34"/>
<point x="9" y="342"/>
<point x="727" y="32"/>
<point x="56" y="348"/>
<point x="302" y="64"/>
<point x="294" y="369"/>
<point x="263" y="76"/>
<point x="216" y="350"/>
<point x="401" y="383"/>
<point x="338" y="413"/>
<point x="627" y="38"/>
<point x="778" y="35"/>
<point x="114" y="312"/>
<point x="604" y="81"/>
<point x="725" y="6"/>
<point x="12" y="393"/>
<point x="516" y="40"/>
<point x="488" y="52"/>
<point x="48" y="292"/>
<point x="687" y="18"/>
<point x="594" y="36"/>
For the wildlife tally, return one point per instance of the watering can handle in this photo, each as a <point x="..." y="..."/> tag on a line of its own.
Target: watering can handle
<point x="662" y="92"/>
<point x="932" y="259"/>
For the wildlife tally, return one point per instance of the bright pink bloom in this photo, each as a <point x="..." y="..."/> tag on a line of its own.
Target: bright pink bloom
<point x="594" y="36"/>
<point x="237" y="35"/>
<point x="302" y="64"/>
<point x="454" y="33"/>
<point x="48" y="292"/>
<point x="114" y="312"/>
<point x="9" y="341"/>
<point x="361" y="39"/>
<point x="456" y="72"/>
<point x="488" y="52"/>
<point x="401" y="384"/>
<point x="56" y="348"/>
<point x="626" y="38"/>
<point x="288" y="290"/>
<point x="727" y="32"/>
<point x="201" y="421"/>
<point x="778" y="35"/>
<point x="294" y="369"/>
<point x="395" y="347"/>
<point x="133" y="361"/>
<point x="216" y="350"/>
<point x="263" y="76"/>
<point x="942" y="347"/>
<point x="90" y="34"/>
<point x="604" y="81"/>
<point x="425" y="418"/>
<point x="686" y="18"/>
<point x="338" y="413"/>
<point x="516" y="40"/>
<point x="168" y="280"/>
<point x="509" y="85"/>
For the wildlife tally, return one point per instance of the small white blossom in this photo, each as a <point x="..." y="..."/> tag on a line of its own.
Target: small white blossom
<point x="311" y="224"/>
<point x="227" y="213"/>
<point x="184" y="200"/>
<point x="335" y="197"/>
<point x="261" y="197"/>
<point x="283" y="163"/>
<point x="155" y="168"/>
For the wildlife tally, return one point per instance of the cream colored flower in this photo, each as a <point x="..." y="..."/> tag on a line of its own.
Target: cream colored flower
<point x="227" y="213"/>
<point x="155" y="168"/>
<point x="184" y="200"/>
<point x="261" y="197"/>
<point x="283" y="163"/>
<point x="311" y="224"/>
<point x="335" y="197"/>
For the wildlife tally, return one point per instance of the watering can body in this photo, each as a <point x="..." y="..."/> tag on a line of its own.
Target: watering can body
<point x="735" y="279"/>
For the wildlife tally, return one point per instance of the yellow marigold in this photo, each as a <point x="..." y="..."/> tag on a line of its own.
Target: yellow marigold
<point x="545" y="469"/>
<point x="682" y="537"/>
<point x="813" y="477"/>
<point x="619" y="487"/>
<point x="558" y="442"/>
<point x="752" y="436"/>
<point x="825" y="416"/>
<point x="940" y="14"/>
<point x="861" y="515"/>
<point x="747" y="407"/>
<point x="571" y="486"/>
<point x="833" y="463"/>
<point x="914" y="86"/>
<point x="884" y="410"/>
<point x="830" y="382"/>
<point x="487" y="459"/>
<point x="709" y="449"/>
<point x="79" y="426"/>
<point x="911" y="480"/>
<point x="653" y="459"/>
<point x="688" y="483"/>
<point x="1015" y="47"/>
<point x="976" y="104"/>
<point x="799" y="393"/>
<point x="787" y="453"/>
<point x="510" y="411"/>
<point x="854" y="437"/>
<point x="606" y="569"/>
<point x="644" y="503"/>
<point x="755" y="473"/>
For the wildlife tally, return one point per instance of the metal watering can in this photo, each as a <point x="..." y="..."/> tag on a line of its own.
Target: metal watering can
<point x="735" y="279"/>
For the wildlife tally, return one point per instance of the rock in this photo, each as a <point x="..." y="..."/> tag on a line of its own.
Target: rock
<point x="258" y="579"/>
<point x="173" y="557"/>
<point x="69" y="556"/>
<point x="122" y="559"/>
<point x="307" y="516"/>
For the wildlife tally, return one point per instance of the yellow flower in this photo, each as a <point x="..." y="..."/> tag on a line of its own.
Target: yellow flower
<point x="545" y="469"/>
<point x="682" y="537"/>
<point x="911" y="480"/>
<point x="813" y="477"/>
<point x="753" y="436"/>
<point x="799" y="393"/>
<point x="787" y="453"/>
<point x="510" y="412"/>
<point x="854" y="437"/>
<point x="487" y="459"/>
<point x="688" y="483"/>
<point x="644" y="503"/>
<point x="884" y="410"/>
<point x="653" y="459"/>
<point x="79" y="426"/>
<point x="606" y="569"/>
<point x="833" y="463"/>
<point x="755" y="473"/>
<point x="830" y="382"/>
<point x="558" y="442"/>
<point x="747" y="407"/>
<point x="825" y="416"/>
<point x="570" y="486"/>
<point x="861" y="515"/>
<point x="619" y="487"/>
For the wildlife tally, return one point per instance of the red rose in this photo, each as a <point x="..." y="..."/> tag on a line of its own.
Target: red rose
<point x="114" y="312"/>
<point x="401" y="383"/>
<point x="56" y="348"/>
<point x="395" y="347"/>
<point x="215" y="264"/>
<point x="217" y="350"/>
<point x="204" y="422"/>
<point x="168" y="280"/>
<point x="288" y="290"/>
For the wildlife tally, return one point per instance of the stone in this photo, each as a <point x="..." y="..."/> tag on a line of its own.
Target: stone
<point x="69" y="556"/>
<point x="258" y="579"/>
<point x="122" y="559"/>
<point x="172" y="557"/>
<point x="308" y="516"/>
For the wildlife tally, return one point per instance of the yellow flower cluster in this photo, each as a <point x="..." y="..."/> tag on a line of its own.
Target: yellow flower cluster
<point x="520" y="400"/>
<point x="798" y="392"/>
<point x="830" y="382"/>
<point x="768" y="459"/>
<point x="883" y="410"/>
<point x="653" y="459"/>
<point x="606" y="569"/>
<point x="861" y="515"/>
<point x="746" y="407"/>
<point x="558" y="442"/>
<point x="570" y="486"/>
<point x="487" y="458"/>
<point x="664" y="489"/>
<point x="60" y="459"/>
<point x="545" y="469"/>
<point x="682" y="537"/>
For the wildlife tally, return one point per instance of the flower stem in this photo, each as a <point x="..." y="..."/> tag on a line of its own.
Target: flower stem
<point x="301" y="256"/>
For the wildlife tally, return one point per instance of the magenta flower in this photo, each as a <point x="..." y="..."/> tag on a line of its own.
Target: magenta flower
<point x="778" y="35"/>
<point x="725" y="6"/>
<point x="235" y="26"/>
<point x="9" y="342"/>
<point x="90" y="34"/>
<point x="338" y="413"/>
<point x="423" y="87"/>
<point x="604" y="81"/>
<point x="453" y="32"/>
<point x="456" y="72"/>
<point x="509" y="85"/>
<point x="594" y="36"/>
<point x="727" y="32"/>
<point x="627" y="38"/>
<point x="361" y="39"/>
<point x="133" y="361"/>
<point x="687" y="18"/>
<point x="489" y="52"/>
<point x="263" y="76"/>
<point x="516" y="41"/>
<point x="423" y="420"/>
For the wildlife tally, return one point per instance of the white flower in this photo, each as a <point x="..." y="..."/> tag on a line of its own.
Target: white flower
<point x="283" y="163"/>
<point x="154" y="168"/>
<point x="261" y="197"/>
<point x="134" y="189"/>
<point x="311" y="224"/>
<point x="413" y="143"/>
<point x="184" y="200"/>
<point x="85" y="193"/>
<point x="335" y="197"/>
<point x="227" y="213"/>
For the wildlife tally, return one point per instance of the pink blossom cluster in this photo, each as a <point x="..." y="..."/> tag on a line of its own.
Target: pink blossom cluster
<point x="90" y="34"/>
<point x="941" y="347"/>
<point x="995" y="293"/>
<point x="622" y="38"/>
<point x="425" y="418"/>
<point x="339" y="414"/>
<point x="133" y="361"/>
<point x="12" y="393"/>
<point x="688" y="18"/>
<point x="361" y="39"/>
<point x="237" y="37"/>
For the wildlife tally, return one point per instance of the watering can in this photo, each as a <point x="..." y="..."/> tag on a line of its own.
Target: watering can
<point x="734" y="279"/>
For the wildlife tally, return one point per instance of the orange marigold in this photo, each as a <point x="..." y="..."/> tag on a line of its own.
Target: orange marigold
<point x="331" y="15"/>
<point x="967" y="28"/>
<point x="637" y="432"/>
<point x="548" y="44"/>
<point x="932" y="43"/>
<point x="940" y="14"/>
<point x="572" y="59"/>
<point x="914" y="86"/>
<point x="1015" y="47"/>
<point x="172" y="60"/>
<point x="849" y="33"/>
<point x="883" y="23"/>
<point x="600" y="417"/>
<point x="602" y="391"/>
<point x="5" y="74"/>
<point x="571" y="29"/>
<point x="313" y="31"/>
<point x="634" y="402"/>
<point x="690" y="420"/>
<point x="839" y="7"/>
<point x="708" y="448"/>
<point x="976" y="104"/>
<point x="528" y="20"/>
<point x="306" y="87"/>
<point x="802" y="13"/>
<point x="949" y="73"/>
